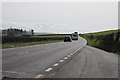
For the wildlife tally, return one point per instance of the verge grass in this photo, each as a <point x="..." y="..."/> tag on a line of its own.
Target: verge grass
<point x="93" y="42"/>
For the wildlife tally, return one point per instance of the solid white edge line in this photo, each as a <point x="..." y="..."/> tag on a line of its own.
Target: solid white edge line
<point x="12" y="72"/>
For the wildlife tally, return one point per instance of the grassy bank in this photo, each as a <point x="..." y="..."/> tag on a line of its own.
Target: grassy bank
<point x="12" y="45"/>
<point x="105" y="40"/>
<point x="49" y="36"/>
<point x="103" y="32"/>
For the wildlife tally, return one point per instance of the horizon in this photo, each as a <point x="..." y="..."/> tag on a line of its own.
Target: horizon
<point x="66" y="33"/>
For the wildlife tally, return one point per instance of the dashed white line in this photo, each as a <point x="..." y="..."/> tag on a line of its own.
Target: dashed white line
<point x="39" y="76"/>
<point x="68" y="55"/>
<point x="65" y="58"/>
<point x="56" y="64"/>
<point x="61" y="60"/>
<point x="75" y="51"/>
<point x="49" y="69"/>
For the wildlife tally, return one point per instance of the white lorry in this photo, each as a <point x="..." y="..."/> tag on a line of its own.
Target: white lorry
<point x="75" y="36"/>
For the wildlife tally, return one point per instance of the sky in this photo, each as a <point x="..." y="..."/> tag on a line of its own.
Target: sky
<point x="60" y="17"/>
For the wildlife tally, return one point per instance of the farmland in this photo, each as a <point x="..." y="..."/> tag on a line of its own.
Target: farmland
<point x="31" y="40"/>
<point x="48" y="36"/>
<point x="20" y="44"/>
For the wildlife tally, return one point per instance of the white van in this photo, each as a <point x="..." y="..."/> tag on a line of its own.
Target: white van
<point x="74" y="36"/>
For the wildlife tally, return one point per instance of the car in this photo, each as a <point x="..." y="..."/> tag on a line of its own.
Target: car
<point x="67" y="39"/>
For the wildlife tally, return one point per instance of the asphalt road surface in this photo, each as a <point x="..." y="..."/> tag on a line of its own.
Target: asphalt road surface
<point x="59" y="60"/>
<point x="27" y="62"/>
<point x="90" y="63"/>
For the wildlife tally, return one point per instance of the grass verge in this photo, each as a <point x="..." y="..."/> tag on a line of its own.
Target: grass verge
<point x="93" y="42"/>
<point x="12" y="45"/>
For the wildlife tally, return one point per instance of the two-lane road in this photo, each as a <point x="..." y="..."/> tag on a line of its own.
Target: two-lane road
<point x="34" y="61"/>
<point x="27" y="62"/>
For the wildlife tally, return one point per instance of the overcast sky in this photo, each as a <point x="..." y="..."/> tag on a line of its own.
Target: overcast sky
<point x="61" y="17"/>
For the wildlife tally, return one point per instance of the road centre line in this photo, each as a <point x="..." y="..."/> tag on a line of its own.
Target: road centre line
<point x="65" y="58"/>
<point x="39" y="76"/>
<point x="61" y="60"/>
<point x="49" y="69"/>
<point x="56" y="64"/>
<point x="68" y="55"/>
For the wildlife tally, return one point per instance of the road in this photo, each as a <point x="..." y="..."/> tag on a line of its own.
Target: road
<point x="59" y="60"/>
<point x="30" y="61"/>
<point x="90" y="63"/>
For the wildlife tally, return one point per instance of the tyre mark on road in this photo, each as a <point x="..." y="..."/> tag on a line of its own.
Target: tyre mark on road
<point x="84" y="67"/>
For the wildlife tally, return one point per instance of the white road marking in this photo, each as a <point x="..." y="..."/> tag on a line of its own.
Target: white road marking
<point x="39" y="76"/>
<point x="71" y="54"/>
<point x="23" y="53"/>
<point x="61" y="60"/>
<point x="65" y="58"/>
<point x="56" y="64"/>
<point x="68" y="55"/>
<point x="49" y="69"/>
<point x="75" y="51"/>
<point x="12" y="72"/>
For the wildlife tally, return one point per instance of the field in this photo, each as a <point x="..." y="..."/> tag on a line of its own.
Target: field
<point x="12" y="45"/>
<point x="103" y="32"/>
<point x="105" y="40"/>
<point x="49" y="36"/>
<point x="31" y="40"/>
